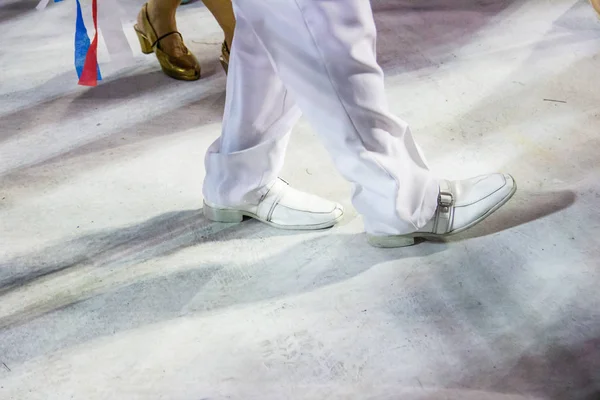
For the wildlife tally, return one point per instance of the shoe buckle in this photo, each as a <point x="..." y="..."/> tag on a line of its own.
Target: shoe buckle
<point x="445" y="201"/>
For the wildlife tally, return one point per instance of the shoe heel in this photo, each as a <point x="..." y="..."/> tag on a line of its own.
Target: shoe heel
<point x="144" y="42"/>
<point x="222" y="215"/>
<point x="388" y="242"/>
<point x="224" y="64"/>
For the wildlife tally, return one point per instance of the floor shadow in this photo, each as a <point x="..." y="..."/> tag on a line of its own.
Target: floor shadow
<point x="523" y="208"/>
<point x="503" y="329"/>
<point x="14" y="9"/>
<point x="206" y="108"/>
<point x="323" y="259"/>
<point x="415" y="35"/>
<point x="118" y="248"/>
<point x="126" y="86"/>
<point x="127" y="307"/>
<point x="171" y="232"/>
<point x="554" y="370"/>
<point x="313" y="263"/>
<point x="75" y="104"/>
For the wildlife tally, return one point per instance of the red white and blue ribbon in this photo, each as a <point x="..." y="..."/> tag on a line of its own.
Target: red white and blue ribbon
<point x="86" y="51"/>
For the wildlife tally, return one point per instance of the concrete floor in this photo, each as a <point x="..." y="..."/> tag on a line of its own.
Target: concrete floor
<point x="113" y="285"/>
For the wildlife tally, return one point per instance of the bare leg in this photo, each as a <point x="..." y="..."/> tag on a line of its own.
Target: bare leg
<point x="596" y="4"/>
<point x="162" y="16"/>
<point x="222" y="10"/>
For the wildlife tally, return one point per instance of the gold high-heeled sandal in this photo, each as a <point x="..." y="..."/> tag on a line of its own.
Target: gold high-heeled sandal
<point x="224" y="58"/>
<point x="185" y="68"/>
<point x="222" y="10"/>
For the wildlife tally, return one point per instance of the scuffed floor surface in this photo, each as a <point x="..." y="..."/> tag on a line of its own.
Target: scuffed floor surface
<point x="113" y="285"/>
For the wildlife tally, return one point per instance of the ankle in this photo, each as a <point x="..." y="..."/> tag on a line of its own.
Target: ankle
<point x="162" y="17"/>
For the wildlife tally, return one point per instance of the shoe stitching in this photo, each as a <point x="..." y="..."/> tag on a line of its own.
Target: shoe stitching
<point x="483" y="198"/>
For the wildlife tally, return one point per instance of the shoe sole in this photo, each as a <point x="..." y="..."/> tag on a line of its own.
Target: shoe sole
<point x="230" y="216"/>
<point x="409" y="240"/>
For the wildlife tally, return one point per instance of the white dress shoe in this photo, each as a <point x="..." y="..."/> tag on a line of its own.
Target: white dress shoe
<point x="461" y="204"/>
<point x="282" y="207"/>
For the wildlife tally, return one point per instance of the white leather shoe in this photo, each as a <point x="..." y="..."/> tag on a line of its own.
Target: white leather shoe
<point x="461" y="204"/>
<point x="282" y="207"/>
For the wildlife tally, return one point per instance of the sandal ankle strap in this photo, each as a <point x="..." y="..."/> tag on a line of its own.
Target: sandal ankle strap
<point x="165" y="35"/>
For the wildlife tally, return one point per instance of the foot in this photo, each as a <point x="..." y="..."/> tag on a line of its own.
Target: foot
<point x="163" y="21"/>
<point x="282" y="207"/>
<point x="461" y="205"/>
<point x="157" y="31"/>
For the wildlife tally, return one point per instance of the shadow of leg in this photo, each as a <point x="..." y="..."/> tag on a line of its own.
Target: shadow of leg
<point x="525" y="207"/>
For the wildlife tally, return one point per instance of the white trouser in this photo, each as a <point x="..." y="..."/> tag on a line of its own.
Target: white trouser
<point x="317" y="58"/>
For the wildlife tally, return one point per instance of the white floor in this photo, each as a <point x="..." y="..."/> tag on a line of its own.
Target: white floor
<point x="113" y="285"/>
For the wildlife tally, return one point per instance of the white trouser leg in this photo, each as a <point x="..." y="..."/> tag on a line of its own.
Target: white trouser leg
<point x="324" y="52"/>
<point x="259" y="115"/>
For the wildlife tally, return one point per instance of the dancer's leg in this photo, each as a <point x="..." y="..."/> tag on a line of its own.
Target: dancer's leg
<point x="222" y="10"/>
<point x="259" y="114"/>
<point x="324" y="53"/>
<point x="243" y="166"/>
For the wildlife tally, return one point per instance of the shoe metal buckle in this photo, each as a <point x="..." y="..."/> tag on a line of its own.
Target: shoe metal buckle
<point x="445" y="201"/>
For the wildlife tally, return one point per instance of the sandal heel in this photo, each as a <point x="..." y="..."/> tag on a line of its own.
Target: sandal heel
<point x="144" y="42"/>
<point x="222" y="215"/>
<point x="224" y="58"/>
<point x="224" y="64"/>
